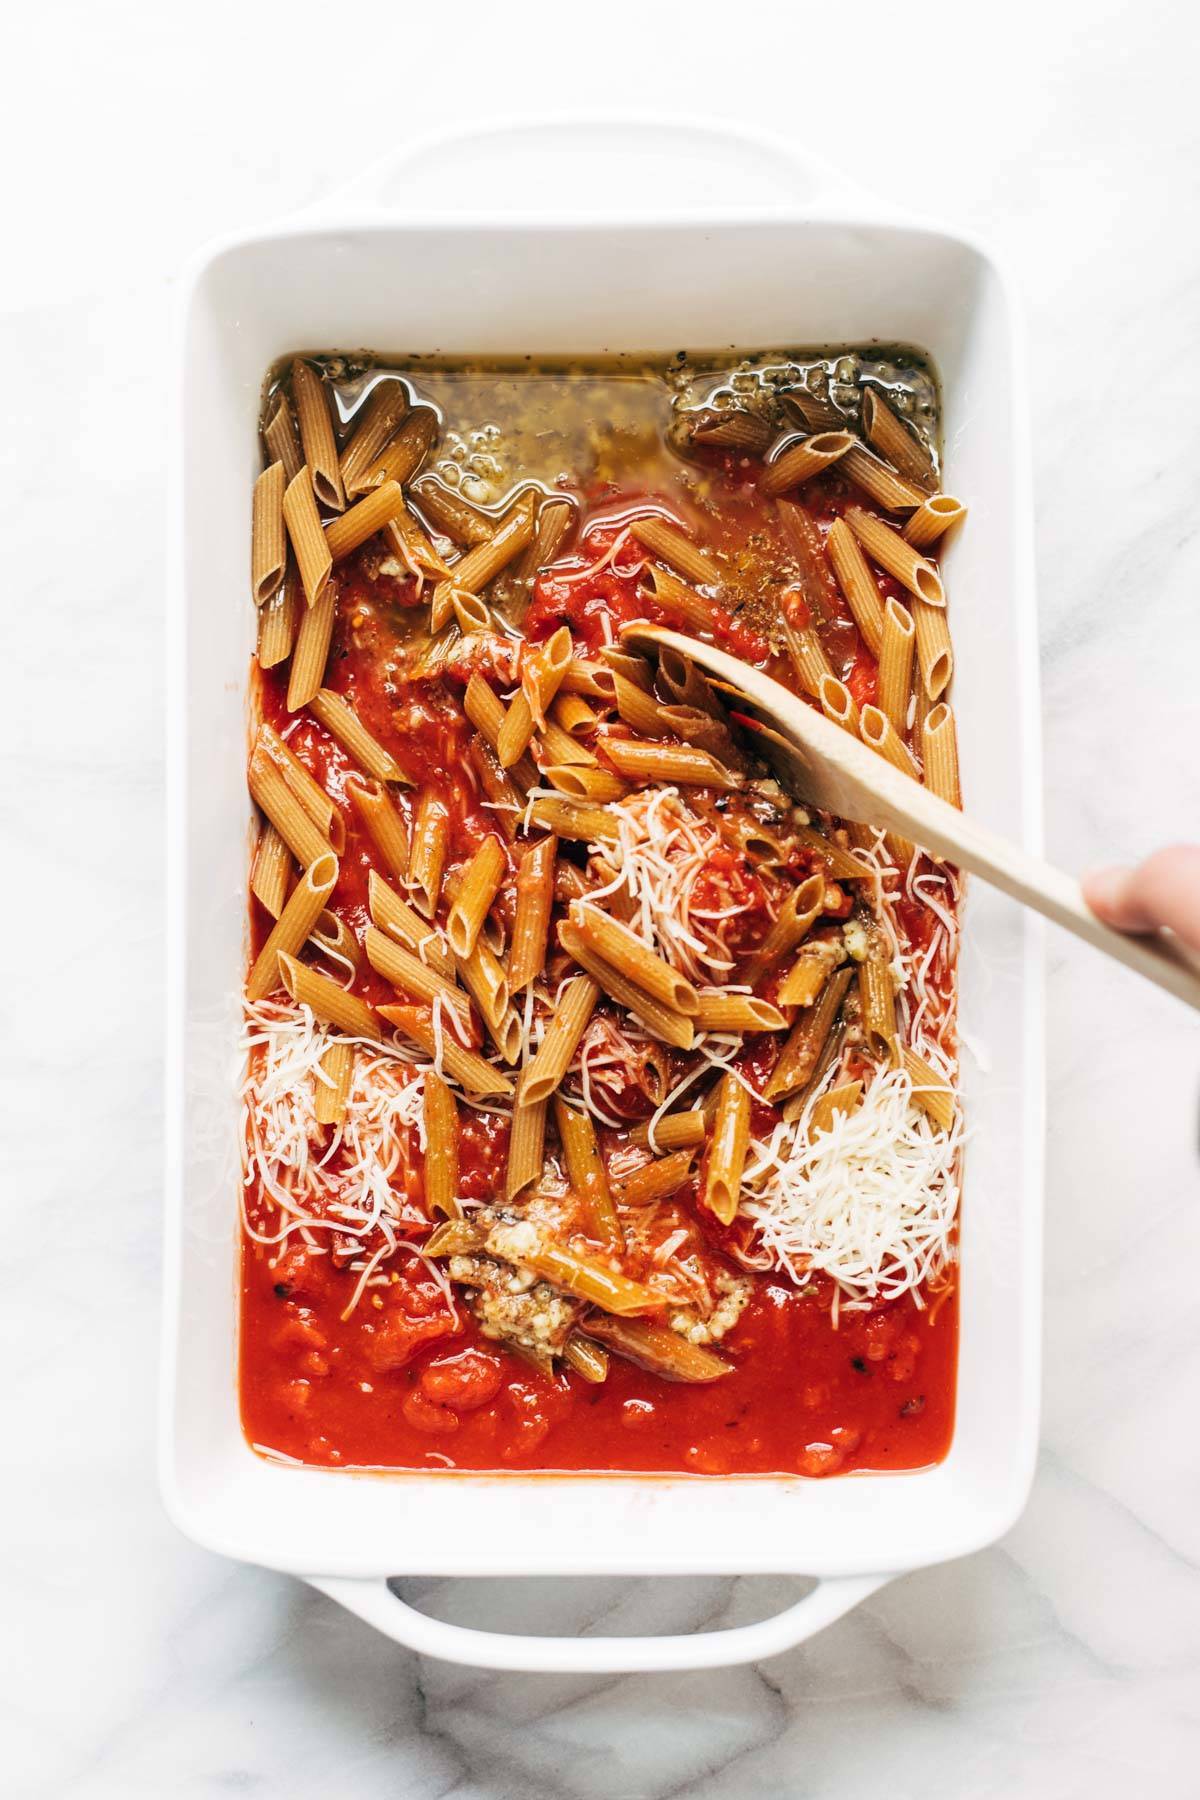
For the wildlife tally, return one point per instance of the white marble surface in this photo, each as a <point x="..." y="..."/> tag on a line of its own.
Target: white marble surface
<point x="1064" y="1661"/>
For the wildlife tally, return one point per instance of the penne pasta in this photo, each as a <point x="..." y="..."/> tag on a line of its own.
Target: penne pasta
<point x="377" y="418"/>
<point x="362" y="520"/>
<point x="834" y="1105"/>
<point x="878" y="482"/>
<point x="591" y="679"/>
<point x="332" y="938"/>
<point x="405" y="450"/>
<point x="889" y="550"/>
<point x="527" y="1139"/>
<point x="939" y="750"/>
<point x="588" y="1360"/>
<point x="282" y="440"/>
<point x="427" y="853"/>
<point x="639" y="710"/>
<point x="542" y="670"/>
<point x="800" y="462"/>
<point x="277" y="618"/>
<point x="584" y="783"/>
<point x="531" y="925"/>
<point x="667" y="763"/>
<point x="841" y="865"/>
<point x="439" y="1117"/>
<point x="268" y="542"/>
<point x="794" y="920"/>
<point x="667" y="542"/>
<point x="480" y="885"/>
<point x="401" y="922"/>
<point x="633" y="668"/>
<point x="500" y="794"/>
<point x="575" y="1005"/>
<point x="332" y="1088"/>
<point x="677" y="597"/>
<point x="732" y="430"/>
<point x="407" y="541"/>
<point x="341" y="721"/>
<point x="572" y="714"/>
<point x="880" y="735"/>
<point x="839" y="704"/>
<point x="591" y="1280"/>
<point x="376" y="812"/>
<point x="572" y="819"/>
<point x="810" y="971"/>
<point x="450" y="514"/>
<point x="328" y="1003"/>
<point x="617" y="944"/>
<point x="307" y="538"/>
<point x="672" y="1027"/>
<point x="657" y="1180"/>
<point x="727" y="1153"/>
<point x="896" y="442"/>
<point x="486" y="712"/>
<point x="414" y="978"/>
<point x="554" y="520"/>
<point x="316" y="435"/>
<point x="737" y="1012"/>
<point x="814" y="576"/>
<point x="877" y="994"/>
<point x="896" y="663"/>
<point x="312" y="796"/>
<point x="660" y="1350"/>
<point x="857" y="584"/>
<point x="930" y="1091"/>
<point x="814" y="410"/>
<point x="933" y="519"/>
<point x="272" y="870"/>
<point x="586" y="1172"/>
<point x="675" y="1131"/>
<point x="291" y="929"/>
<point x="449" y="1057"/>
<point x="485" y="561"/>
<point x="935" y="652"/>
<point x="802" y="1050"/>
<point x="270" y="791"/>
<point x="808" y="657"/>
<point x="311" y="651"/>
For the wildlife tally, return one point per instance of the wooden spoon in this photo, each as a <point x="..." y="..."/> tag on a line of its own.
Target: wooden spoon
<point x="841" y="775"/>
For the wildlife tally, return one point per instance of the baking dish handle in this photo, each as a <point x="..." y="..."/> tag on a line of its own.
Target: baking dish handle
<point x="375" y="1602"/>
<point x="615" y="168"/>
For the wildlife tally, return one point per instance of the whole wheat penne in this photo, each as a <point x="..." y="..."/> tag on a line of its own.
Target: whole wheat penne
<point x="381" y="412"/>
<point x="656" y="1180"/>
<point x="427" y="852"/>
<point x="834" y="1105"/>
<point x="814" y="576"/>
<point x="800" y="462"/>
<point x="880" y="735"/>
<point x="450" y="514"/>
<point x="935" y="652"/>
<point x="589" y="1279"/>
<point x="316" y="434"/>
<point x="810" y="971"/>
<point x="572" y="714"/>
<point x="270" y="791"/>
<point x="878" y="482"/>
<point x="797" y="1103"/>
<point x="678" y="597"/>
<point x="412" y="977"/>
<point x="737" y="1012"/>
<point x="586" y="1172"/>
<point x="467" y="1067"/>
<point x="624" y="662"/>
<point x="377" y="813"/>
<point x="895" y="663"/>
<point x="841" y="865"/>
<point x="588" y="1360"/>
<point x="933" y="519"/>
<point x="277" y="620"/>
<point x="591" y="679"/>
<point x="362" y="520"/>
<point x="640" y="710"/>
<point x="282" y="439"/>
<point x="483" y="974"/>
<point x="727" y="1154"/>
<point x="441" y="1123"/>
<point x="816" y="411"/>
<point x="617" y="944"/>
<point x="891" y="552"/>
<point x="939" y="749"/>
<point x="930" y="1091"/>
<point x="486" y="712"/>
<point x="807" y="1039"/>
<point x="291" y="929"/>
<point x="839" y="704"/>
<point x="485" y="561"/>
<point x="527" y="1139"/>
<point x="585" y="783"/>
<point x="808" y="657"/>
<point x="554" y="520"/>
<point x="400" y="921"/>
<point x="332" y="938"/>
<point x="572" y="819"/>
<point x="405" y="450"/>
<point x="667" y="763"/>
<point x="672" y="1027"/>
<point x="307" y="538"/>
<point x="268" y="543"/>
<point x="576" y="1003"/>
<point x="799" y="911"/>
<point x="471" y="613"/>
<point x="406" y="539"/>
<point x="667" y="542"/>
<point x="877" y="993"/>
<point x="857" y="583"/>
<point x="480" y="885"/>
<point x="342" y="722"/>
<point x="542" y="671"/>
<point x="674" y="1131"/>
<point x="328" y="1002"/>
<point x="311" y="652"/>
<point x="312" y="796"/>
<point x="659" y="1349"/>
<point x="733" y="430"/>
<point x="272" y="870"/>
<point x="500" y="794"/>
<point x="332" y="1088"/>
<point x="531" y="925"/>
<point x="896" y="442"/>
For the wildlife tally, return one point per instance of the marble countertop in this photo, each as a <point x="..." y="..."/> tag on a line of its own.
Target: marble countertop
<point x="1065" y="1660"/>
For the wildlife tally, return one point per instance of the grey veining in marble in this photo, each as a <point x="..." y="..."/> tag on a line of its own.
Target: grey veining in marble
<point x="1065" y="1661"/>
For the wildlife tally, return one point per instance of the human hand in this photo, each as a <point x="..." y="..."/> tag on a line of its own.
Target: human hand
<point x="1163" y="890"/>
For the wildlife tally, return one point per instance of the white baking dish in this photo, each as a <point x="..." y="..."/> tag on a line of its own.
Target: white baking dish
<point x="631" y="236"/>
